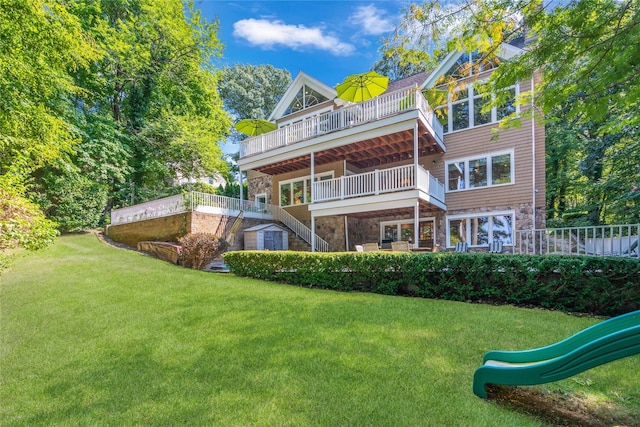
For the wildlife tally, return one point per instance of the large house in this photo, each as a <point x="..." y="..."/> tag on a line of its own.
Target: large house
<point x="395" y="168"/>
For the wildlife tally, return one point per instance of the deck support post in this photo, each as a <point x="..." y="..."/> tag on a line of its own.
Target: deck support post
<point x="313" y="232"/>
<point x="416" y="211"/>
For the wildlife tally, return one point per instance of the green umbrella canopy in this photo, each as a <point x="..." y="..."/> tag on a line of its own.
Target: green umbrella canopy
<point x="253" y="127"/>
<point x="360" y="87"/>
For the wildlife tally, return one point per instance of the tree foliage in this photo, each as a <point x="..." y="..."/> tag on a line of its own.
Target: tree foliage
<point x="104" y="103"/>
<point x="155" y="85"/>
<point x="41" y="42"/>
<point x="253" y="91"/>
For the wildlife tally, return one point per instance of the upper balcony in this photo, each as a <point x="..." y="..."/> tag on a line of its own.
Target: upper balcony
<point x="376" y="114"/>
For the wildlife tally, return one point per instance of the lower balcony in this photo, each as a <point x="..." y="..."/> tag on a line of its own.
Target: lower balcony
<point x="390" y="187"/>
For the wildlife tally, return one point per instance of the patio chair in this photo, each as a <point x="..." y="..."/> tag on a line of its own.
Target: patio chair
<point x="370" y="247"/>
<point x="633" y="250"/>
<point x="495" y="247"/>
<point x="386" y="244"/>
<point x="359" y="248"/>
<point x="400" y="246"/>
<point x="462" y="247"/>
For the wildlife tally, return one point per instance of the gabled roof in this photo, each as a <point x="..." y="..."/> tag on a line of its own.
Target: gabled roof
<point x="505" y="51"/>
<point x="289" y="96"/>
<point x="264" y="227"/>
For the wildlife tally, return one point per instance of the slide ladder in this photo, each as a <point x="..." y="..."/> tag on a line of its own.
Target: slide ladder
<point x="601" y="343"/>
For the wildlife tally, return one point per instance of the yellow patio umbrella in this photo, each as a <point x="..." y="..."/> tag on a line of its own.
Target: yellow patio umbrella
<point x="361" y="87"/>
<point x="253" y="127"/>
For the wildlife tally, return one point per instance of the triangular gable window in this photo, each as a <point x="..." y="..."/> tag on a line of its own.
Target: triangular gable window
<point x="469" y="64"/>
<point x="305" y="98"/>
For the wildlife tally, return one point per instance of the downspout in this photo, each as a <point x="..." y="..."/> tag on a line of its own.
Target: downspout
<point x="533" y="160"/>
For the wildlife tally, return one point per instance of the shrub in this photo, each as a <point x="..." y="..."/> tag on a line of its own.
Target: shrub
<point x="604" y="286"/>
<point x="199" y="249"/>
<point x="22" y="223"/>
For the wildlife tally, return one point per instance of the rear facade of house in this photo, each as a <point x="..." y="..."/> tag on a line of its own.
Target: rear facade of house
<point x="395" y="168"/>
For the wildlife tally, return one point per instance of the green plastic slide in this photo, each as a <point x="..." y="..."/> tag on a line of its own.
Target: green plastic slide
<point x="601" y="343"/>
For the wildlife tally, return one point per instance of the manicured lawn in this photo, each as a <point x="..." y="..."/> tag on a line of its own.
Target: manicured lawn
<point x="93" y="335"/>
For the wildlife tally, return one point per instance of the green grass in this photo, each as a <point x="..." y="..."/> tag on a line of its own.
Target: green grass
<point x="93" y="335"/>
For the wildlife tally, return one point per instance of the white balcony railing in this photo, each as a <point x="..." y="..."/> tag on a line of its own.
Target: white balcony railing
<point x="375" y="109"/>
<point x="605" y="240"/>
<point x="380" y="181"/>
<point x="154" y="209"/>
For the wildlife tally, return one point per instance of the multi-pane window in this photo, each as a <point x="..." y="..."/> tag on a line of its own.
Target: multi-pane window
<point x="486" y="170"/>
<point x="480" y="230"/>
<point x="460" y="111"/>
<point x="404" y="230"/>
<point x="305" y="98"/>
<point x="469" y="107"/>
<point x="298" y="191"/>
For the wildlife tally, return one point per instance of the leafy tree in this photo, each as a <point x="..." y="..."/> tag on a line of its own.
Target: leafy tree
<point x="156" y="84"/>
<point x="41" y="42"/>
<point x="249" y="92"/>
<point x="253" y="91"/>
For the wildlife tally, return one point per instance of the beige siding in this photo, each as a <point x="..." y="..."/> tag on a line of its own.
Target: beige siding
<point x="478" y="141"/>
<point x="301" y="212"/>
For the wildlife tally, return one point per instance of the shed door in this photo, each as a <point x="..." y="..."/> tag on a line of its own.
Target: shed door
<point x="273" y="240"/>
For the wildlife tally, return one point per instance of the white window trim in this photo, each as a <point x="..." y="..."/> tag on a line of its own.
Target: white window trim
<point x="488" y="156"/>
<point x="471" y="100"/>
<point x="407" y="221"/>
<point x="449" y="218"/>
<point x="304" y="185"/>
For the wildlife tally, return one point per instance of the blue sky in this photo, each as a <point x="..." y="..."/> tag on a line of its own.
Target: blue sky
<point x="326" y="39"/>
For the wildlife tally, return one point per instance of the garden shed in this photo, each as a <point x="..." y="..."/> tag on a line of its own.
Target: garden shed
<point x="269" y="237"/>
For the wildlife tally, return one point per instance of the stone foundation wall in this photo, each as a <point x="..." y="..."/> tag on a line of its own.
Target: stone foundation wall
<point x="170" y="228"/>
<point x="165" y="229"/>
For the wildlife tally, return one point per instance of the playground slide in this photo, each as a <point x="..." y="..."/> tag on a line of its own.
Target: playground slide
<point x="601" y="343"/>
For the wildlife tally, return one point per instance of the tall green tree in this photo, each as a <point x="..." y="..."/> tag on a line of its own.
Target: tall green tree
<point x="149" y="111"/>
<point x="253" y="91"/>
<point x="42" y="45"/>
<point x="249" y="92"/>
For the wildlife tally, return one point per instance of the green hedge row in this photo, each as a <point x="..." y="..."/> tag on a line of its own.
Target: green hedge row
<point x="603" y="286"/>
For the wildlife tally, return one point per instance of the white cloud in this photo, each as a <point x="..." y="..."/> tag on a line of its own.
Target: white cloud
<point x="269" y="34"/>
<point x="371" y="20"/>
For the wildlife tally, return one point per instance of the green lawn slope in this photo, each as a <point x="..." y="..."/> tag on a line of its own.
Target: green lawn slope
<point x="95" y="335"/>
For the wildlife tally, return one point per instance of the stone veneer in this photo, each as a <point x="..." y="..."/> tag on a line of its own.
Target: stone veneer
<point x="259" y="185"/>
<point x="331" y="229"/>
